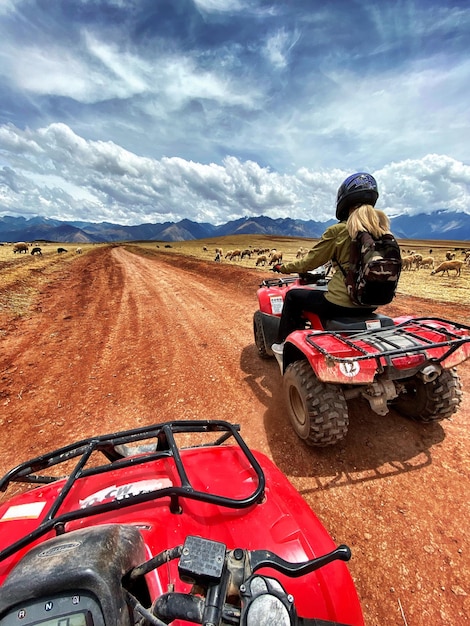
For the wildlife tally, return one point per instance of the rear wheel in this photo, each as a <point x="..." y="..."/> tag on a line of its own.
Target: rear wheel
<point x="318" y="411"/>
<point x="259" y="335"/>
<point x="433" y="401"/>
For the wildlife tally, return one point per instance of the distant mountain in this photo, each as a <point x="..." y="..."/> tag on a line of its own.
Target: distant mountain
<point x="441" y="225"/>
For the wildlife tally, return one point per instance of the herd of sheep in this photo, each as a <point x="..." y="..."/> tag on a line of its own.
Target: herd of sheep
<point x="23" y="247"/>
<point x="270" y="256"/>
<point x="263" y="256"/>
<point x="411" y="259"/>
<point x="416" y="261"/>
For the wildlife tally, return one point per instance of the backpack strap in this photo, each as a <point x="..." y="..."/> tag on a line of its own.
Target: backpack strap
<point x="335" y="260"/>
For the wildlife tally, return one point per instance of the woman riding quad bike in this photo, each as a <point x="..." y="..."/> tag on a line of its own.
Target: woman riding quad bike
<point x="331" y="344"/>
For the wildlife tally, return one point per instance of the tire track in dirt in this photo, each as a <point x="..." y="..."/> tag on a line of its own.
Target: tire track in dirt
<point x="175" y="322"/>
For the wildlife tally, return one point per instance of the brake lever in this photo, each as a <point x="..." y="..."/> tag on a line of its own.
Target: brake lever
<point x="265" y="558"/>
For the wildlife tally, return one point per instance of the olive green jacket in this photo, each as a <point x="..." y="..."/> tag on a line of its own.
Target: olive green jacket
<point x="334" y="244"/>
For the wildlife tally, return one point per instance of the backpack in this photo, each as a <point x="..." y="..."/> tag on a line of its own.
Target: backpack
<point x="374" y="269"/>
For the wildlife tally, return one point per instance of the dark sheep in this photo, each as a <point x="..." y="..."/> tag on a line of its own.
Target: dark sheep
<point x="60" y="250"/>
<point x="36" y="251"/>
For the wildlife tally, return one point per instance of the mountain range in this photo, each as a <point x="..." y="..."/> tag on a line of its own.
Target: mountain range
<point x="440" y="225"/>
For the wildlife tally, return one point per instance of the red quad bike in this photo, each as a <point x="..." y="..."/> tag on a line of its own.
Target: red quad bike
<point x="173" y="523"/>
<point x="405" y="362"/>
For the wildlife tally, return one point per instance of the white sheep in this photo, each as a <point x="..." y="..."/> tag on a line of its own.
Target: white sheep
<point x="445" y="266"/>
<point x="407" y="262"/>
<point x="275" y="258"/>
<point x="417" y="258"/>
<point x="426" y="262"/>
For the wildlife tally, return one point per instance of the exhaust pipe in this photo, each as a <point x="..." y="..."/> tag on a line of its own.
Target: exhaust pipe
<point x="430" y="373"/>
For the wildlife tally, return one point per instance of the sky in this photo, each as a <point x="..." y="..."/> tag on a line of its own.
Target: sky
<point x="149" y="111"/>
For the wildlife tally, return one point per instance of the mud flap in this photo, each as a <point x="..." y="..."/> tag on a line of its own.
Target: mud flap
<point x="270" y="326"/>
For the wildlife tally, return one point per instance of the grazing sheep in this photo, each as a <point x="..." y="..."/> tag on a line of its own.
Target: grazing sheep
<point x="236" y="254"/>
<point x="20" y="247"/>
<point x="426" y="263"/>
<point x="228" y="254"/>
<point x="445" y="266"/>
<point x="417" y="258"/>
<point x="60" y="250"/>
<point x="275" y="258"/>
<point x="450" y="256"/>
<point x="36" y="251"/>
<point x="78" y="251"/>
<point x="245" y="253"/>
<point x="261" y="260"/>
<point x="300" y="253"/>
<point x="407" y="262"/>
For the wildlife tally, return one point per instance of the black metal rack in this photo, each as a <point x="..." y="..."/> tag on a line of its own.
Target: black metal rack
<point x="393" y="341"/>
<point x="120" y="455"/>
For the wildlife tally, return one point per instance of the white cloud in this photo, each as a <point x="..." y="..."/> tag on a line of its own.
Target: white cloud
<point x="278" y="45"/>
<point x="71" y="176"/>
<point x="220" y="6"/>
<point x="422" y="186"/>
<point x="138" y="110"/>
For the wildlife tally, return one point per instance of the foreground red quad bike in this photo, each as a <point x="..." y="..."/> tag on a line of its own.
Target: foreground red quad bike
<point x="407" y="363"/>
<point x="173" y="523"/>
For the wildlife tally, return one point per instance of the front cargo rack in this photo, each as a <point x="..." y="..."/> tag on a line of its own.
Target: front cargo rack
<point x="408" y="337"/>
<point x="118" y="455"/>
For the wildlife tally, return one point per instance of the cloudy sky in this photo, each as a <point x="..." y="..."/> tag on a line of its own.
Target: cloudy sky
<point x="135" y="111"/>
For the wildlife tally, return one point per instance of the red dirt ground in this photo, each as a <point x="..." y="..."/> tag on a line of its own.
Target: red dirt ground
<point x="117" y="341"/>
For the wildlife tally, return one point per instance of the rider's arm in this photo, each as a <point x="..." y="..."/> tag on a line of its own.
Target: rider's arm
<point x="322" y="252"/>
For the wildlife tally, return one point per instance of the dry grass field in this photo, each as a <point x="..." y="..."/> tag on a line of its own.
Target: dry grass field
<point x="412" y="282"/>
<point x="21" y="275"/>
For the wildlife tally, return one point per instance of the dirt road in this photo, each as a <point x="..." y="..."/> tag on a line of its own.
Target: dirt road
<point x="119" y="340"/>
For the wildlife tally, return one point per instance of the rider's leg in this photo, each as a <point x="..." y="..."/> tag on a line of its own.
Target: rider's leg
<point x="299" y="300"/>
<point x="296" y="301"/>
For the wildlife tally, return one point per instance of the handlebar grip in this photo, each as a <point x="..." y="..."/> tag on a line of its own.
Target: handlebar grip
<point x="174" y="605"/>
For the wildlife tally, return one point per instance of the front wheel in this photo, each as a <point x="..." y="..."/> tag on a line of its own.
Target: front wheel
<point x="433" y="401"/>
<point x="318" y="411"/>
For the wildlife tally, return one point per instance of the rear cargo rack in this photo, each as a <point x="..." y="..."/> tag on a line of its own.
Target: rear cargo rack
<point x="120" y="455"/>
<point x="408" y="337"/>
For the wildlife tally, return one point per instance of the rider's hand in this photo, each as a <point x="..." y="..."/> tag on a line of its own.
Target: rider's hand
<point x="276" y="268"/>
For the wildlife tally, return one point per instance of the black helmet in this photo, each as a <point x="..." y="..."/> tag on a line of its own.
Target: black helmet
<point x="360" y="188"/>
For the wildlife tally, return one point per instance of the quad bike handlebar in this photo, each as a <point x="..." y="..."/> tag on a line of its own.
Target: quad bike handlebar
<point x="230" y="589"/>
<point x="90" y="579"/>
<point x="319" y="276"/>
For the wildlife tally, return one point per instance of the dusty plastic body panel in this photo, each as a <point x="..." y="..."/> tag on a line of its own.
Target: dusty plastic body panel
<point x="275" y="519"/>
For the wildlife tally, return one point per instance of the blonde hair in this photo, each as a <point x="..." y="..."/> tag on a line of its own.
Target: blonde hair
<point x="366" y="218"/>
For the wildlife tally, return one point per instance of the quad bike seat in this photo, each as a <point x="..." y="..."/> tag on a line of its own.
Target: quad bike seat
<point x="371" y="322"/>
